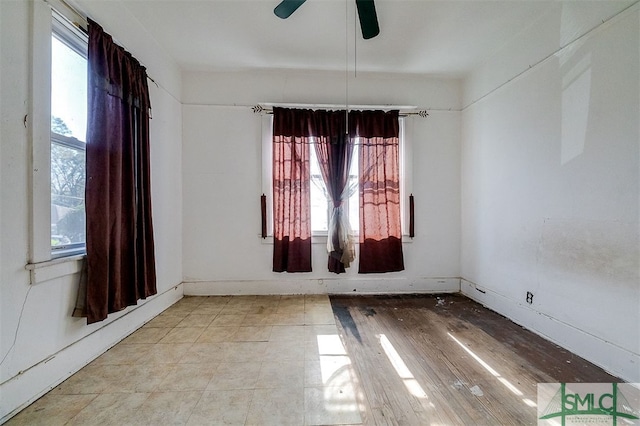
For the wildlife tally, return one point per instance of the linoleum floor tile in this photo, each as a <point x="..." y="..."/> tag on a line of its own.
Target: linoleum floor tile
<point x="206" y="309"/>
<point x="196" y="320"/>
<point x="214" y="334"/>
<point x="244" y="351"/>
<point x="180" y="311"/>
<point x="287" y="333"/>
<point x="51" y="410"/>
<point x="187" y="377"/>
<point x="324" y="344"/>
<point x="147" y="335"/>
<point x="164" y="321"/>
<point x="165" y="353"/>
<point x="136" y="378"/>
<point x="92" y="379"/>
<point x="292" y="299"/>
<point x="204" y="353"/>
<point x="319" y="317"/>
<point x="285" y="350"/>
<point x="262" y="304"/>
<point x="262" y="309"/>
<point x="288" y="319"/>
<point x="237" y="309"/>
<point x="313" y="331"/>
<point x="228" y="407"/>
<point x="327" y="371"/>
<point x="277" y="407"/>
<point x="167" y="408"/>
<point x="331" y="405"/>
<point x="317" y="299"/>
<point x="259" y="319"/>
<point x="114" y="409"/>
<point x="215" y="300"/>
<point x="124" y="354"/>
<point x="235" y="375"/>
<point x="274" y="374"/>
<point x="191" y="301"/>
<point x="243" y="298"/>
<point x="182" y="335"/>
<point x="290" y="309"/>
<point x="253" y="334"/>
<point x="224" y="320"/>
<point x="195" y="357"/>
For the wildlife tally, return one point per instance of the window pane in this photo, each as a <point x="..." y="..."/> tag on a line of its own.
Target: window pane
<point x="68" y="91"/>
<point x="319" y="202"/>
<point x="354" y="199"/>
<point x="67" y="195"/>
<point x="68" y="127"/>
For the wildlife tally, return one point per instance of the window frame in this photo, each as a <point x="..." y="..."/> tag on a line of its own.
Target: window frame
<point x="345" y="203"/>
<point x="41" y="265"/>
<point x="77" y="41"/>
<point x="320" y="237"/>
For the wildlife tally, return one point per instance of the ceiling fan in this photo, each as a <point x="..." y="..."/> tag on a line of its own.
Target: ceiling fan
<point x="366" y="13"/>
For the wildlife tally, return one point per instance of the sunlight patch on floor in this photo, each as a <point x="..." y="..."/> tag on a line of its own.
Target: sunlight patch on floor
<point x="493" y="372"/>
<point x="338" y="397"/>
<point x="401" y="368"/>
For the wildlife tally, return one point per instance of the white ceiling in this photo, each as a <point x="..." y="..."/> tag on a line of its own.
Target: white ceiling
<point x="447" y="37"/>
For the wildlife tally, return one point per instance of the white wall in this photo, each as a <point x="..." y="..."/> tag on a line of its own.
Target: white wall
<point x="40" y="343"/>
<point x="549" y="198"/>
<point x="550" y="192"/>
<point x="222" y="182"/>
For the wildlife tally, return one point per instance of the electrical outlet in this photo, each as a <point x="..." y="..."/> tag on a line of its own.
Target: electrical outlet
<point x="529" y="297"/>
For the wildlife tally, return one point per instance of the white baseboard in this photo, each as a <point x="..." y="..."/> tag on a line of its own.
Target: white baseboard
<point x="615" y="360"/>
<point x="364" y="285"/>
<point x="29" y="385"/>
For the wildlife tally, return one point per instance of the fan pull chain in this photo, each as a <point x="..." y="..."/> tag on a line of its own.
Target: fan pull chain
<point x="346" y="65"/>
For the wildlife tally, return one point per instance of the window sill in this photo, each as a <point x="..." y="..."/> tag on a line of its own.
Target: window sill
<point x="55" y="268"/>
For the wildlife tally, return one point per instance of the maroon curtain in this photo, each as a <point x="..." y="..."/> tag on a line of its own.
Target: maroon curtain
<point x="120" y="248"/>
<point x="291" y="191"/>
<point x="380" y="229"/>
<point x="334" y="150"/>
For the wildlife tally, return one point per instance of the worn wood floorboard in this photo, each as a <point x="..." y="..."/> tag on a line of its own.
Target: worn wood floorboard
<point x="446" y="360"/>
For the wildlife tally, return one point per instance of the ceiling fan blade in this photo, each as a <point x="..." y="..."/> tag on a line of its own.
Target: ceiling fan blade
<point x="368" y="18"/>
<point x="287" y="7"/>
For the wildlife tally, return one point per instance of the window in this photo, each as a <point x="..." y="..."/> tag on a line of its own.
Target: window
<point x="320" y="204"/>
<point x="333" y="135"/>
<point x="51" y="29"/>
<point x="68" y="133"/>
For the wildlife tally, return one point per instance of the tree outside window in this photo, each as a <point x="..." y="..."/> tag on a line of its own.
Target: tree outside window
<point x="67" y="186"/>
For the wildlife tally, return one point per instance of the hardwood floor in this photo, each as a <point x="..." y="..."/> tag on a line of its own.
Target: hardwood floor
<point x="446" y="360"/>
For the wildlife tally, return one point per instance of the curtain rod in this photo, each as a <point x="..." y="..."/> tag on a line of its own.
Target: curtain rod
<point x="267" y="108"/>
<point x="83" y="24"/>
<point x="79" y="20"/>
